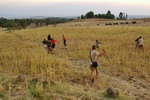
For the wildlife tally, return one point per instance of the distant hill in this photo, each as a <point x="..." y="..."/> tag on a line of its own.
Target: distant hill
<point x="71" y="17"/>
<point x="37" y="17"/>
<point x="138" y="16"/>
<point x="42" y="17"/>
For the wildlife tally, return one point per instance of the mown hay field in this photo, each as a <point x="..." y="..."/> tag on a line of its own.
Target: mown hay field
<point x="22" y="53"/>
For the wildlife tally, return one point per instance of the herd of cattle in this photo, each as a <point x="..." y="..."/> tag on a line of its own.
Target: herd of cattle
<point x="121" y="23"/>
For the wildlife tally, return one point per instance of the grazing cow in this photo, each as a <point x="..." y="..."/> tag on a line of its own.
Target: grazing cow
<point x="116" y="23"/>
<point x="106" y="24"/>
<point x="133" y="22"/>
<point x="126" y="22"/>
<point x="110" y="23"/>
<point x="121" y="23"/>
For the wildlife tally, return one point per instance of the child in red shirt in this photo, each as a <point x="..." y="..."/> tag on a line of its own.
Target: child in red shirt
<point x="53" y="42"/>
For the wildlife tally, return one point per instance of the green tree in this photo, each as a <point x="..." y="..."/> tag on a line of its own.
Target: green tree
<point x="109" y="15"/>
<point x="12" y="25"/>
<point x="3" y="22"/>
<point x="95" y="16"/>
<point x="90" y="14"/>
<point x="23" y="23"/>
<point x="82" y="17"/>
<point x="121" y="15"/>
<point x="37" y="24"/>
<point x="126" y="16"/>
<point x="108" y="12"/>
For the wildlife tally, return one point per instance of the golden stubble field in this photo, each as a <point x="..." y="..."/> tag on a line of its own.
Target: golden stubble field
<point x="22" y="53"/>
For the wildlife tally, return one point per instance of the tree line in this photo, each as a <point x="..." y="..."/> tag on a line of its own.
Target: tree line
<point x="108" y="15"/>
<point x="11" y="24"/>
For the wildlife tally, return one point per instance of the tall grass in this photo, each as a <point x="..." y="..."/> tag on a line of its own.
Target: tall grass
<point x="117" y="41"/>
<point x="22" y="52"/>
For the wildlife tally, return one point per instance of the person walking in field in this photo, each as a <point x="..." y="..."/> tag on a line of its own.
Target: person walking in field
<point x="64" y="41"/>
<point x="45" y="43"/>
<point x="93" y="60"/>
<point x="139" y="42"/>
<point x="97" y="43"/>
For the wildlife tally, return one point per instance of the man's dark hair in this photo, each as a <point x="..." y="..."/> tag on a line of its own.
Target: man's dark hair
<point x="138" y="38"/>
<point x="93" y="47"/>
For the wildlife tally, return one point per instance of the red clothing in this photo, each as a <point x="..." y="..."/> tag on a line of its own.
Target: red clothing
<point x="53" y="41"/>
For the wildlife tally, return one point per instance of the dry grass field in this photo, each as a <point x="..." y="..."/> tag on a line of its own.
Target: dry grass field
<point x="27" y="72"/>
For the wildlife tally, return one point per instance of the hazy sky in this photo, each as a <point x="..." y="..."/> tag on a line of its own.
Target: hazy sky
<point x="20" y="8"/>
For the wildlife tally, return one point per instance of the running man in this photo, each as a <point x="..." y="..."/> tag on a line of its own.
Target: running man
<point x="93" y="60"/>
<point x="139" y="42"/>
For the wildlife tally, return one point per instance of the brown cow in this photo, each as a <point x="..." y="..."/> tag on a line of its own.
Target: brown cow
<point x="134" y="22"/>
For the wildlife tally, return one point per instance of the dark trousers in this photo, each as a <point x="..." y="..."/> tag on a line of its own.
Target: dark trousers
<point x="53" y="45"/>
<point x="65" y="43"/>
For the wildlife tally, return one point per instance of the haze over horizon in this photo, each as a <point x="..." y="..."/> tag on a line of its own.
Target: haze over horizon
<point x="60" y="8"/>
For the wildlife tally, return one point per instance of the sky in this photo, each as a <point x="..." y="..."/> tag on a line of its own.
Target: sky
<point x="64" y="8"/>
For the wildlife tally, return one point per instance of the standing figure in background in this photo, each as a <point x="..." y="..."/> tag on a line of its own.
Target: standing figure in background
<point x="49" y="46"/>
<point x="49" y="37"/>
<point x="139" y="42"/>
<point x="97" y="43"/>
<point x="64" y="40"/>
